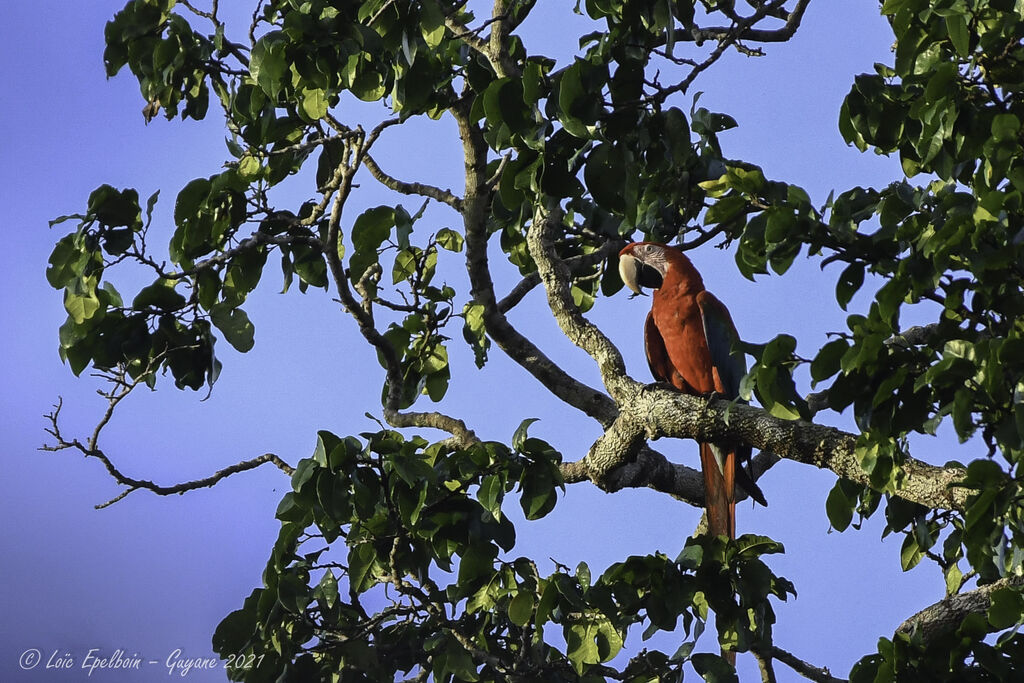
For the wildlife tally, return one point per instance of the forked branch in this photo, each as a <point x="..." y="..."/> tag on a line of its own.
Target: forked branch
<point x="91" y="450"/>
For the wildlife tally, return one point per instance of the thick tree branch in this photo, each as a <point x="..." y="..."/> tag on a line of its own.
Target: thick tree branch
<point x="648" y="412"/>
<point x="661" y="412"/>
<point x="946" y="615"/>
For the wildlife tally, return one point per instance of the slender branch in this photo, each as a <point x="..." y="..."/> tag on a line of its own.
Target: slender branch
<point x="731" y="36"/>
<point x="743" y="30"/>
<point x="133" y="484"/>
<point x="254" y="240"/>
<point x="764" y="663"/>
<point x="476" y="205"/>
<point x="809" y="671"/>
<point x="576" y="264"/>
<point x="363" y="313"/>
<point x="436" y="193"/>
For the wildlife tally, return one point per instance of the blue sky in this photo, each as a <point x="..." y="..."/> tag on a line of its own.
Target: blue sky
<point x="152" y="575"/>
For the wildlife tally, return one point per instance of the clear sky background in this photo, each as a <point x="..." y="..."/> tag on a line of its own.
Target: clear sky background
<point x="152" y="575"/>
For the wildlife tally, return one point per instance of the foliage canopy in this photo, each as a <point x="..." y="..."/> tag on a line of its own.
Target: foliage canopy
<point x="395" y="557"/>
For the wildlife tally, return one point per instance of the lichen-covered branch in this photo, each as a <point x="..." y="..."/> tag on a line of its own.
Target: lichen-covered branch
<point x="946" y="615"/>
<point x="556" y="278"/>
<point x="462" y="436"/>
<point x="661" y="412"/>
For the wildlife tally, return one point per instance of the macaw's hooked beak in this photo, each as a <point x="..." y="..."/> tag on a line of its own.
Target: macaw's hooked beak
<point x="636" y="274"/>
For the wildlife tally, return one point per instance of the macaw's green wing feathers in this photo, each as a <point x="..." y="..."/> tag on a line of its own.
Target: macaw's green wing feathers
<point x="723" y="343"/>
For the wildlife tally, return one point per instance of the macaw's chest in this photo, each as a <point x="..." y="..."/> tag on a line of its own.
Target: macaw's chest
<point x="679" y="322"/>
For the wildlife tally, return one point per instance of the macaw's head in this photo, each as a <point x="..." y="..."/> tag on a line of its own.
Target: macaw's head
<point x="650" y="264"/>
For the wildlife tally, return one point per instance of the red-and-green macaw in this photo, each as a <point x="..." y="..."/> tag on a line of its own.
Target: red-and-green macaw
<point x="692" y="344"/>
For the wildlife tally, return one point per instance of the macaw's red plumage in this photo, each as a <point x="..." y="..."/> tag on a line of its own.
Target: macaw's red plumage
<point x="691" y="343"/>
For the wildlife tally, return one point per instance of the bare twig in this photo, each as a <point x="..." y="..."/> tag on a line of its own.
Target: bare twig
<point x="576" y="264"/>
<point x="411" y="188"/>
<point x="809" y="671"/>
<point x="133" y="484"/>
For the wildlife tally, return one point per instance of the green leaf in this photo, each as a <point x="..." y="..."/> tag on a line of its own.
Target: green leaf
<point x="405" y="265"/>
<point x="327" y="590"/>
<point x="827" y="362"/>
<point x="581" y="647"/>
<point x="268" y="63"/>
<point x="583" y="576"/>
<point x="713" y="669"/>
<point x="491" y="493"/>
<point x="954" y="579"/>
<point x="66" y="261"/>
<point x="910" y="553"/>
<point x="1005" y="126"/>
<point x="432" y="23"/>
<point x="474" y="332"/>
<point x="520" y="435"/>
<point x="956" y="25"/>
<point x="114" y="208"/>
<point x="449" y="239"/>
<point x="249" y="167"/>
<point x="361" y="565"/>
<point x="520" y="608"/>
<point x="314" y="103"/>
<point x="80" y="299"/>
<point x="477" y="562"/>
<point x="538" y="496"/>
<point x="371" y="228"/>
<point x="160" y="295"/>
<point x="849" y="282"/>
<point x="1007" y="608"/>
<point x="235" y="325"/>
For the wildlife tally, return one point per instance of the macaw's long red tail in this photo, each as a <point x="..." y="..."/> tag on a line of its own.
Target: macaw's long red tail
<point x="719" y="501"/>
<point x="719" y="487"/>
